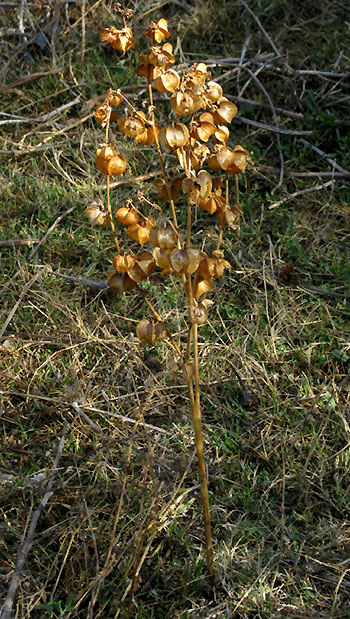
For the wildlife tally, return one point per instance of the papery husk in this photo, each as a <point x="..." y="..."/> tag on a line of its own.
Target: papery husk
<point x="209" y="204"/>
<point x="201" y="285"/>
<point x="127" y="216"/>
<point x="160" y="56"/>
<point x="199" y="312"/>
<point x="184" y="261"/>
<point x="121" y="40"/>
<point x="167" y="81"/>
<point x="184" y="103"/>
<point x="143" y="267"/>
<point x="198" y="187"/>
<point x="151" y="331"/>
<point x="213" y="92"/>
<point x="140" y="232"/>
<point x="119" y="282"/>
<point x="163" y="237"/>
<point x="198" y="72"/>
<point x="145" y="69"/>
<point x="213" y="266"/>
<point x="224" y="111"/>
<point x="97" y="214"/>
<point x="222" y="134"/>
<point x="147" y="138"/>
<point x="109" y="161"/>
<point x="114" y="97"/>
<point x="202" y="130"/>
<point x="174" y="187"/>
<point x="158" y="31"/>
<point x="103" y="114"/>
<point x="173" y="137"/>
<point x="132" y="125"/>
<point x="228" y="217"/>
<point x="123" y="262"/>
<point x="162" y="260"/>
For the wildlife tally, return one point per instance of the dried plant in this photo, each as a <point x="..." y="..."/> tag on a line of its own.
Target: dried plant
<point x="195" y="134"/>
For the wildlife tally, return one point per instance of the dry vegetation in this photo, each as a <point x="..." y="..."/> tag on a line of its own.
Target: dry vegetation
<point x="93" y="425"/>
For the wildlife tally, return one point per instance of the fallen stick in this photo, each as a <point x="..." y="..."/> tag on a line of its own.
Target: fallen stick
<point x="333" y="163"/>
<point x="30" y="78"/>
<point x="299" y="193"/>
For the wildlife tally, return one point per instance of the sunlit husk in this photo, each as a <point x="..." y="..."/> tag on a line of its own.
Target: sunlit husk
<point x="184" y="103"/>
<point x="185" y="261"/>
<point x="201" y="285"/>
<point x="168" y="81"/>
<point x="109" y="162"/>
<point x="127" y="216"/>
<point x="213" y="92"/>
<point x="174" y="137"/>
<point x="133" y="125"/>
<point x="97" y="214"/>
<point x="119" y="282"/>
<point x="163" y="237"/>
<point x="161" y="56"/>
<point x="147" y="138"/>
<point x="121" y="40"/>
<point x="198" y="187"/>
<point x="140" y="232"/>
<point x="114" y="97"/>
<point x="143" y="267"/>
<point x="162" y="260"/>
<point x="158" y="31"/>
<point x="151" y="331"/>
<point x="225" y="111"/>
<point x="123" y="263"/>
<point x="213" y="265"/>
<point x="103" y="113"/>
<point x="199" y="312"/>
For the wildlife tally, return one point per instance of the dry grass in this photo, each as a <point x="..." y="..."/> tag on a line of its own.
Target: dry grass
<point x="121" y="534"/>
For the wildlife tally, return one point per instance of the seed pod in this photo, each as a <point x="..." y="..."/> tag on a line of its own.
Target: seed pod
<point x="133" y="125"/>
<point x="202" y="130"/>
<point x="97" y="214"/>
<point x="185" y="260"/>
<point x="199" y="187"/>
<point x="174" y="187"/>
<point x="198" y="72"/>
<point x="121" y="40"/>
<point x="213" y="92"/>
<point x="103" y="114"/>
<point x="174" y="137"/>
<point x="201" y="285"/>
<point x="145" y="69"/>
<point x="163" y="237"/>
<point x="195" y="155"/>
<point x="222" y="134"/>
<point x="123" y="263"/>
<point x="161" y="56"/>
<point x="168" y="81"/>
<point x="140" y="232"/>
<point x="199" y="312"/>
<point x="109" y="162"/>
<point x="147" y="137"/>
<point x="114" y="97"/>
<point x="127" y="216"/>
<point x="213" y="266"/>
<point x="162" y="260"/>
<point x="184" y="103"/>
<point x="119" y="282"/>
<point x="228" y="217"/>
<point x="209" y="204"/>
<point x="225" y="111"/>
<point x="150" y="331"/>
<point x="158" y="31"/>
<point x="143" y="267"/>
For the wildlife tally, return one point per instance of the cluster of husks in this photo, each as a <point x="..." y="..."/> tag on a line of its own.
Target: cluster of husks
<point x="195" y="142"/>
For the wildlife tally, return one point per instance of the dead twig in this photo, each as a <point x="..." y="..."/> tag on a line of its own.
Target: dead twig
<point x="261" y="27"/>
<point x="25" y="547"/>
<point x="30" y="78"/>
<point x="331" y="161"/>
<point x="17" y="242"/>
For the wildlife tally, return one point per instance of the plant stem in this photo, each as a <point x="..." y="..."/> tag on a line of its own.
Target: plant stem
<point x="111" y="216"/>
<point x="197" y="426"/>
